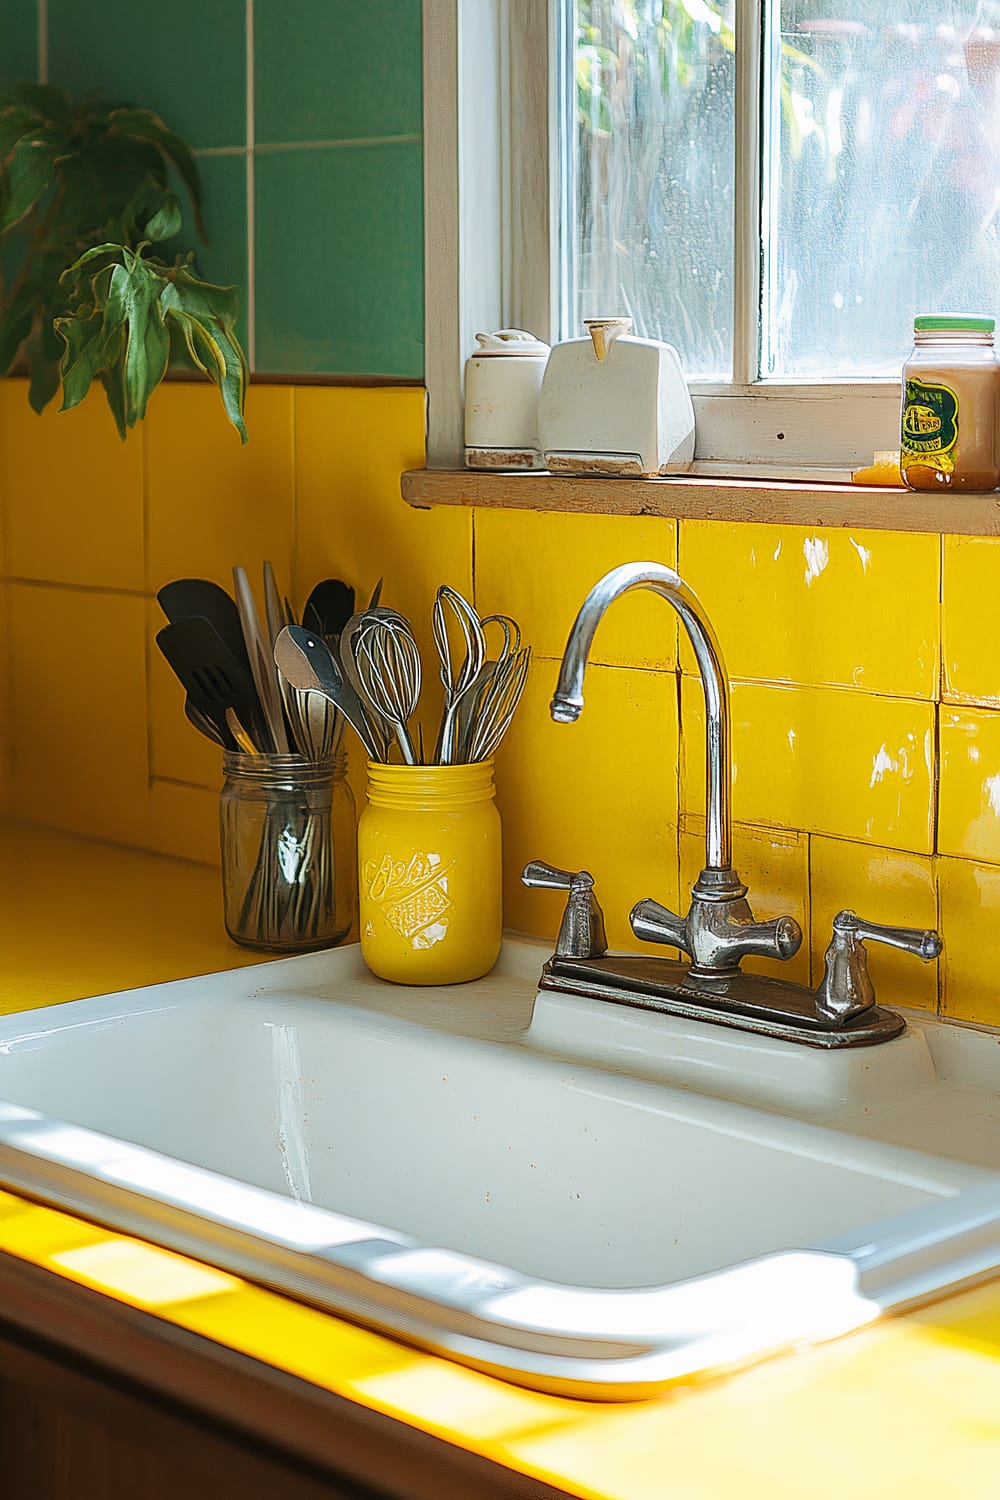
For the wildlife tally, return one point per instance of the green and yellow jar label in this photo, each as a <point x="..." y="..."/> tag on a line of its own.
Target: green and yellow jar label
<point x="930" y="425"/>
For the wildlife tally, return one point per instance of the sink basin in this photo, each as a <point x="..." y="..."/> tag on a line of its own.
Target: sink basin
<point x="574" y="1195"/>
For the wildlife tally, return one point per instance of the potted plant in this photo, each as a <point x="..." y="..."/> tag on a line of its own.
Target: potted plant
<point x="85" y="200"/>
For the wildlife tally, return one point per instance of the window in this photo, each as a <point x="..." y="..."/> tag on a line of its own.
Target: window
<point x="774" y="186"/>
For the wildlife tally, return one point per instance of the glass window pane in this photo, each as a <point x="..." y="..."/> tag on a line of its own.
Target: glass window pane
<point x="882" y="195"/>
<point x="647" y="218"/>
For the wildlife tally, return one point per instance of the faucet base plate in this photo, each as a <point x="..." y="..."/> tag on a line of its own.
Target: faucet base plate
<point x="748" y="1002"/>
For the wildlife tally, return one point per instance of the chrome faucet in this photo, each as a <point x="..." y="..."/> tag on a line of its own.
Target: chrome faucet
<point x="719" y="929"/>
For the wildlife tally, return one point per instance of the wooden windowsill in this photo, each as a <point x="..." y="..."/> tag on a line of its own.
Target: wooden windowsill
<point x="782" y="502"/>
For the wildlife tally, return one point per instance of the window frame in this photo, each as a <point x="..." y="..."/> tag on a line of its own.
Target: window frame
<point x="491" y="169"/>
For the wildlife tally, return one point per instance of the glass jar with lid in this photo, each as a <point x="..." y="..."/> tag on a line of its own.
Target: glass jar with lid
<point x="951" y="385"/>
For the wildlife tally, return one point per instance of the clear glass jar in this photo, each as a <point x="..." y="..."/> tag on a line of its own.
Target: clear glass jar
<point x="430" y="888"/>
<point x="951" y="385"/>
<point x="287" y="827"/>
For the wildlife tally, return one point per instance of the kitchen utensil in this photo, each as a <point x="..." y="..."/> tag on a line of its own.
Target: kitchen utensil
<point x="261" y="664"/>
<point x="465" y="719"/>
<point x="379" y="731"/>
<point x="313" y="720"/>
<point x="306" y="662"/>
<point x="497" y="705"/>
<point x="458" y="679"/>
<point x="329" y="607"/>
<point x="388" y="663"/>
<point x="187" y="597"/>
<point x="205" y="726"/>
<point x="274" y="610"/>
<point x="239" y="734"/>
<point x="212" y="677"/>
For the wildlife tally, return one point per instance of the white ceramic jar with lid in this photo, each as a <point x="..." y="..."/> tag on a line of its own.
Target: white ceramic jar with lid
<point x="615" y="404"/>
<point x="502" y="381"/>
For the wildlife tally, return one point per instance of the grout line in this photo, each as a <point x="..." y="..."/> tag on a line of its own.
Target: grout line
<point x="78" y="588"/>
<point x="361" y="140"/>
<point x="194" y="786"/>
<point x="251" y="106"/>
<point x="219" y="151"/>
<point x="43" y="41"/>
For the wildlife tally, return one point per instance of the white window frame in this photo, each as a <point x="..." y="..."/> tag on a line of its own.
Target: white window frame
<point x="491" y="164"/>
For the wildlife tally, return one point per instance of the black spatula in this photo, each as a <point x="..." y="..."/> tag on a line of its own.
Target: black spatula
<point x="329" y="607"/>
<point x="211" y="675"/>
<point x="190" y="598"/>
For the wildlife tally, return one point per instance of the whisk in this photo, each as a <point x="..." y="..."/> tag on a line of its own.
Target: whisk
<point x="388" y="666"/>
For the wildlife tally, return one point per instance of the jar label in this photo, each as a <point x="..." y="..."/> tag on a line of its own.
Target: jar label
<point x="413" y="895"/>
<point x="930" y="425"/>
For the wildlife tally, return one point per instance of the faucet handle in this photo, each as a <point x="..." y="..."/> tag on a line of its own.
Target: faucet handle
<point x="581" y="933"/>
<point x="538" y="875"/>
<point x="653" y="923"/>
<point x="846" y="988"/>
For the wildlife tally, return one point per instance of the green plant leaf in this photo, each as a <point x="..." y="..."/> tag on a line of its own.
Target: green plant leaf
<point x="27" y="178"/>
<point x="143" y="125"/>
<point x="166" y="221"/>
<point x="212" y="344"/>
<point x="15" y="323"/>
<point x="43" y="369"/>
<point x="114" y="389"/>
<point x="16" y="120"/>
<point x="133" y="304"/>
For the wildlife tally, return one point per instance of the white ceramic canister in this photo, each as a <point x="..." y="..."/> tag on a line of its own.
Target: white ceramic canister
<point x="502" y="382"/>
<point x="614" y="404"/>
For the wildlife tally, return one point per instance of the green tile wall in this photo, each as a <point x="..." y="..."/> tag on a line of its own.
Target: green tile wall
<point x="18" y="41"/>
<point x="305" y="116"/>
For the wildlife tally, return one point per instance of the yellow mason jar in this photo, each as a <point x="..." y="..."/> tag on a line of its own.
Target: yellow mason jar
<point x="430" y="873"/>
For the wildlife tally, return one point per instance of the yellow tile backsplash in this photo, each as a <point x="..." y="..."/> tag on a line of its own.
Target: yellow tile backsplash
<point x="970" y="783"/>
<point x="819" y="607"/>
<point x="970" y="620"/>
<point x="844" y="645"/>
<point x="822" y="761"/>
<point x="73" y="494"/>
<point x="541" y="566"/>
<point x="566" y="792"/>
<point x="213" y="503"/>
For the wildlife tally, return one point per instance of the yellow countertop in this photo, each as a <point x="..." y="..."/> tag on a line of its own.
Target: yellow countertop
<point x="909" y="1407"/>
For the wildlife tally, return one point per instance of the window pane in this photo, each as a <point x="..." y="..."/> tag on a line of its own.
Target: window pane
<point x="884" y="176"/>
<point x="647" y="220"/>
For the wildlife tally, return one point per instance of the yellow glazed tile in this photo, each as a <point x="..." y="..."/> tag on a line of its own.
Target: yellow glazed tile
<point x="78" y="700"/>
<point x="820" y="761"/>
<point x="774" y="866"/>
<point x="969" y="894"/>
<point x="881" y="885"/>
<point x="73" y="493"/>
<point x="351" y="447"/>
<point x="971" y="619"/>
<point x="539" y="566"/>
<point x="184" y="822"/>
<point x="819" y="606"/>
<point x="599" y="795"/>
<point x="211" y="502"/>
<point x="969" y="820"/>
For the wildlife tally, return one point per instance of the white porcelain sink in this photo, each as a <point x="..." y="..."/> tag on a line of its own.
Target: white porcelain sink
<point x="494" y="1175"/>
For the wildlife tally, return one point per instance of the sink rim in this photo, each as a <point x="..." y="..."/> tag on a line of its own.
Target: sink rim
<point x="598" y="1343"/>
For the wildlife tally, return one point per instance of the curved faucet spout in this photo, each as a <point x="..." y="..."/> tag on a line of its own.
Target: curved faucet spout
<point x="567" y="701"/>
